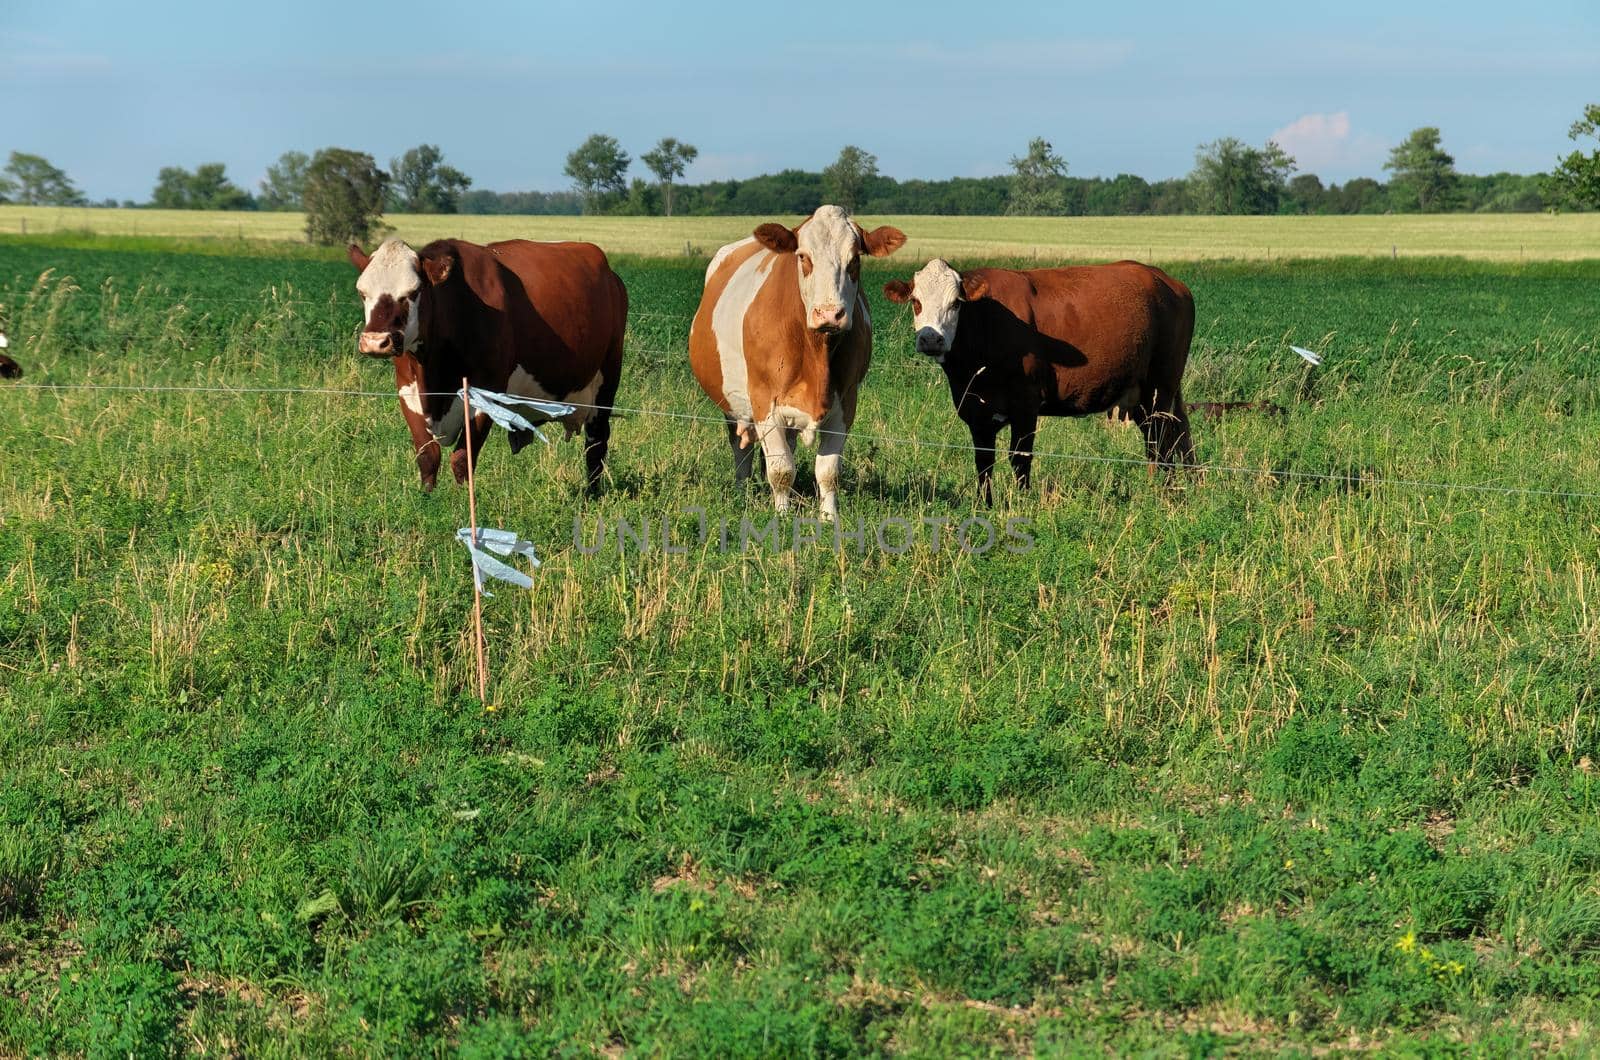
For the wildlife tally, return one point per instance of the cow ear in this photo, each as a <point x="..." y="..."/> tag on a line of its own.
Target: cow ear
<point x="897" y="291"/>
<point x="437" y="267"/>
<point x="358" y="257"/>
<point x="881" y="242"/>
<point x="777" y="238"/>
<point x="974" y="288"/>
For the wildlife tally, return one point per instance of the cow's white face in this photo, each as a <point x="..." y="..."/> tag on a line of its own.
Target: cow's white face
<point x="827" y="249"/>
<point x="936" y="306"/>
<point x="829" y="253"/>
<point x="936" y="293"/>
<point x="390" y="286"/>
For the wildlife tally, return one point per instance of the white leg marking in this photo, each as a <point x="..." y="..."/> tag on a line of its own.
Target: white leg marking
<point x="829" y="458"/>
<point x="780" y="462"/>
<point x="411" y="396"/>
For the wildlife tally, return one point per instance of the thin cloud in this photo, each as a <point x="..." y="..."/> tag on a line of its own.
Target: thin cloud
<point x="1326" y="145"/>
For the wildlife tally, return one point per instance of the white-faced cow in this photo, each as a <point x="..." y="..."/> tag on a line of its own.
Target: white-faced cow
<point x="541" y="320"/>
<point x="782" y="340"/>
<point x="1017" y="345"/>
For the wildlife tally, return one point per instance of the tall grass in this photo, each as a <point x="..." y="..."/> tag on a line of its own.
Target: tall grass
<point x="1227" y="761"/>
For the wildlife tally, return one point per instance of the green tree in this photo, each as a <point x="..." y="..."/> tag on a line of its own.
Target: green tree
<point x="1305" y="194"/>
<point x="33" y="181"/>
<point x="207" y="188"/>
<point x="1036" y="181"/>
<point x="667" y="162"/>
<point x="285" y="186"/>
<point x="1576" y="178"/>
<point x="643" y="200"/>
<point x="845" y="180"/>
<point x="598" y="167"/>
<point x="1231" y="177"/>
<point x="344" y="196"/>
<point x="422" y="183"/>
<point x="1422" y="170"/>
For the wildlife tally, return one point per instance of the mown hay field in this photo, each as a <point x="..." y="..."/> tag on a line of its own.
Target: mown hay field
<point x="1241" y="760"/>
<point x="1490" y="237"/>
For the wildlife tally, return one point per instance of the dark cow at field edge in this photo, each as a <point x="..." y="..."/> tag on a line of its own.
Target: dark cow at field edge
<point x="1016" y="345"/>
<point x="782" y="340"/>
<point x="9" y="369"/>
<point x="540" y="320"/>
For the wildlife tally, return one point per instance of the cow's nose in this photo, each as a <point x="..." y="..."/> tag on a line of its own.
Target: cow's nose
<point x="930" y="342"/>
<point x="827" y="317"/>
<point x="376" y="342"/>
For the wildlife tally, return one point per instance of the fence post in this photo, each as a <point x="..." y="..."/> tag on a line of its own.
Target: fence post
<point x="472" y="528"/>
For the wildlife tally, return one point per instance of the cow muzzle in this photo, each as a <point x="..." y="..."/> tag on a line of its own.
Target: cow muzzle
<point x="930" y="341"/>
<point x="830" y="320"/>
<point x="380" y="343"/>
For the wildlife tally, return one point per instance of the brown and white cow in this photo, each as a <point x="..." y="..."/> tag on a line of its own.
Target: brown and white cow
<point x="541" y="320"/>
<point x="9" y="369"/>
<point x="782" y="340"/>
<point x="1016" y="345"/>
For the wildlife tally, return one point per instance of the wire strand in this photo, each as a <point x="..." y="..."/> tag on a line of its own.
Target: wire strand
<point x="1086" y="458"/>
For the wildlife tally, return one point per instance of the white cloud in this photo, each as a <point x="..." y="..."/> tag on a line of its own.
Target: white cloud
<point x="1324" y="144"/>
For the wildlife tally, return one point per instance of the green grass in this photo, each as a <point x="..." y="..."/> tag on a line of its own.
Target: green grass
<point x="1235" y="764"/>
<point x="1496" y="237"/>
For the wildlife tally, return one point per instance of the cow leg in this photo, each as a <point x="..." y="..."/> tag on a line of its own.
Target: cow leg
<point x="983" y="437"/>
<point x="831" y="432"/>
<point x="409" y="382"/>
<point x="744" y="455"/>
<point x="424" y="444"/>
<point x="464" y="453"/>
<point x="1165" y="425"/>
<point x="597" y="433"/>
<point x="1022" y="431"/>
<point x="775" y="446"/>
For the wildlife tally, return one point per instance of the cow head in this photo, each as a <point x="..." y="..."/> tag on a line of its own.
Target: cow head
<point x="936" y="293"/>
<point x="393" y="281"/>
<point x="828" y="248"/>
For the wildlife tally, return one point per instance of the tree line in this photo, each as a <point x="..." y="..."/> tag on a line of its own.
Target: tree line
<point x="344" y="193"/>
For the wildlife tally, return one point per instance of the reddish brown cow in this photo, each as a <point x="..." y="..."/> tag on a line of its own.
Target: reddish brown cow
<point x="542" y="320"/>
<point x="9" y="369"/>
<point x="1017" y="345"/>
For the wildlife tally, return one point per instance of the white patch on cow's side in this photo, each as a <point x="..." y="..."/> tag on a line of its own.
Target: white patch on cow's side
<point x="830" y="240"/>
<point x="727" y="326"/>
<point x="937" y="289"/>
<point x="394" y="271"/>
<point x="4" y="342"/>
<point x="522" y="384"/>
<point x="411" y="397"/>
<point x="722" y="255"/>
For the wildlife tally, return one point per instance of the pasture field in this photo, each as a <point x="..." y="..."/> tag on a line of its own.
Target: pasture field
<point x="1236" y="762"/>
<point x="1493" y="237"/>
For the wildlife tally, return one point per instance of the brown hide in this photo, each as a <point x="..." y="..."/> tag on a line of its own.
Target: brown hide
<point x="1071" y="342"/>
<point x="554" y="310"/>
<point x="787" y="363"/>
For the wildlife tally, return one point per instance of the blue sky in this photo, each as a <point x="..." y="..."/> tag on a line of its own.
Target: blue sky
<point x="114" y="92"/>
